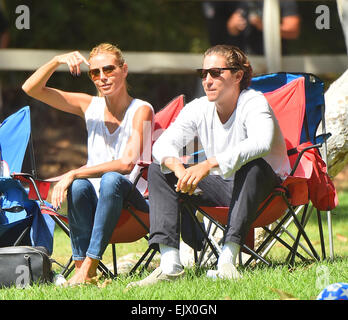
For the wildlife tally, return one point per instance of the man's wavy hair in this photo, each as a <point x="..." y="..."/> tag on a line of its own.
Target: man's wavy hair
<point x="235" y="58"/>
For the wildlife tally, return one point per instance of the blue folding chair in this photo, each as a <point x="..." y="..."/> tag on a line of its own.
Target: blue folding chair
<point x="21" y="221"/>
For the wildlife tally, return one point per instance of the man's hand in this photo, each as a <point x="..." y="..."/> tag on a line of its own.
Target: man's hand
<point x="188" y="178"/>
<point x="188" y="181"/>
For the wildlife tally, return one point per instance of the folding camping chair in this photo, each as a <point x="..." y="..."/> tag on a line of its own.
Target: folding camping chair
<point x="314" y="116"/>
<point x="286" y="94"/>
<point x="21" y="221"/>
<point x="133" y="224"/>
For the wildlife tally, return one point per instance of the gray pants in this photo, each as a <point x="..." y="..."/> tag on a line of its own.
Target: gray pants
<point x="243" y="195"/>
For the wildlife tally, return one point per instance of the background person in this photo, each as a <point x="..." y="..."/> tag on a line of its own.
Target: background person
<point x="119" y="132"/>
<point x="239" y="23"/>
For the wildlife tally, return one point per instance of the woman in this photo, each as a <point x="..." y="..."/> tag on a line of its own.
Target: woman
<point x="119" y="131"/>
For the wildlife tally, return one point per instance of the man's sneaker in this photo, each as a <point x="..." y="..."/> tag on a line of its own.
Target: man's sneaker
<point x="226" y="271"/>
<point x="156" y="276"/>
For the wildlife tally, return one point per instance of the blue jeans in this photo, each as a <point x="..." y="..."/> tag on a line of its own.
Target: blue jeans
<point x="92" y="220"/>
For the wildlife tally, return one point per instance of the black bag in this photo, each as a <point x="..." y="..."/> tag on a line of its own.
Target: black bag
<point x="22" y="266"/>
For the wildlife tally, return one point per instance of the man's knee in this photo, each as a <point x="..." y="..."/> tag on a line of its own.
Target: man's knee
<point x="154" y="170"/>
<point x="258" y="172"/>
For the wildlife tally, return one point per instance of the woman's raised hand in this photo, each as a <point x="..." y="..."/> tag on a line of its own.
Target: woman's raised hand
<point x="73" y="60"/>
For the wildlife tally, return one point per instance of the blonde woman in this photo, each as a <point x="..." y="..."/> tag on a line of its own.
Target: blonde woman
<point x="119" y="132"/>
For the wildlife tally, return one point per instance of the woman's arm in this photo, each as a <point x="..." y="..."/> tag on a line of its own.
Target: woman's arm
<point x="71" y="102"/>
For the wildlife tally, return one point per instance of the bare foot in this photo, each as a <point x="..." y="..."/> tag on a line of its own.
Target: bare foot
<point x="85" y="272"/>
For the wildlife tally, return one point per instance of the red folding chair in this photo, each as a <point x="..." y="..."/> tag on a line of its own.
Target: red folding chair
<point x="288" y="104"/>
<point x="133" y="224"/>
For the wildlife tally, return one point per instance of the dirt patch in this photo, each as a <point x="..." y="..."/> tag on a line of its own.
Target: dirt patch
<point x="58" y="151"/>
<point x="341" y="180"/>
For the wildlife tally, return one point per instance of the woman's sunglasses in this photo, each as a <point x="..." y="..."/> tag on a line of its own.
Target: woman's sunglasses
<point x="94" y="74"/>
<point x="214" y="72"/>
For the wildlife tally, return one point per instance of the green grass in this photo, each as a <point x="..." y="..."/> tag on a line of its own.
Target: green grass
<point x="258" y="284"/>
<point x="303" y="282"/>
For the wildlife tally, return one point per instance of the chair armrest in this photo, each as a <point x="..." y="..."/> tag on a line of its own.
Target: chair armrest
<point x="38" y="189"/>
<point x="323" y="137"/>
<point x="298" y="159"/>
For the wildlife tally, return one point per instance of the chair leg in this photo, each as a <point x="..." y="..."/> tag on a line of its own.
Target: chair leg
<point x="193" y="216"/>
<point x="322" y="242"/>
<point x="211" y="235"/>
<point x="149" y="259"/>
<point x="257" y="256"/>
<point x="274" y="236"/>
<point x="302" y="232"/>
<point x="147" y="252"/>
<point x="105" y="271"/>
<point x="114" y="258"/>
<point x="67" y="269"/>
<point x="330" y="232"/>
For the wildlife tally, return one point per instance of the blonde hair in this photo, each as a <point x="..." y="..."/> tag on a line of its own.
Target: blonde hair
<point x="235" y="58"/>
<point x="108" y="48"/>
<point x="111" y="49"/>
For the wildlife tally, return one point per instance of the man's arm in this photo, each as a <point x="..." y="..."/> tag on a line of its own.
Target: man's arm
<point x="179" y="133"/>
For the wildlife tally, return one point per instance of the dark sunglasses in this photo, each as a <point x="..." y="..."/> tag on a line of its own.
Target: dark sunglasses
<point x="214" y="72"/>
<point x="94" y="74"/>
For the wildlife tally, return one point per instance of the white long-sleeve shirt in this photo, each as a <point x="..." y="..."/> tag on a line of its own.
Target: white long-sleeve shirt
<point x="251" y="132"/>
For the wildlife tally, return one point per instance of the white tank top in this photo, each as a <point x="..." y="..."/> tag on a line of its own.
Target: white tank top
<point x="104" y="146"/>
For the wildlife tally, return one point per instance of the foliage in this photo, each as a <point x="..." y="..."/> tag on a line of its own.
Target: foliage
<point x="146" y="25"/>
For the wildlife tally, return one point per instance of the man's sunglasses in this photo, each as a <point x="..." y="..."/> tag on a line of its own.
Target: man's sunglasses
<point x="94" y="74"/>
<point x="214" y="72"/>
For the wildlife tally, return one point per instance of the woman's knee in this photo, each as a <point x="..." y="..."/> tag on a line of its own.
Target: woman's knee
<point x="112" y="182"/>
<point x="81" y="191"/>
<point x="111" y="177"/>
<point x="80" y="187"/>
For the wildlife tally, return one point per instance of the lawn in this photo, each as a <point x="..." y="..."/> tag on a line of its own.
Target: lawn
<point x="303" y="282"/>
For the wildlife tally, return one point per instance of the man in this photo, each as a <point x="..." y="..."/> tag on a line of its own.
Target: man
<point x="245" y="158"/>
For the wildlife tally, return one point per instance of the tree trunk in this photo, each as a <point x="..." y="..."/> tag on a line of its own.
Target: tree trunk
<point x="336" y="118"/>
